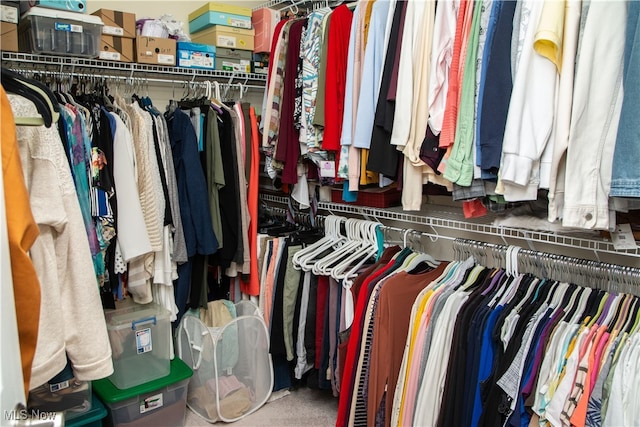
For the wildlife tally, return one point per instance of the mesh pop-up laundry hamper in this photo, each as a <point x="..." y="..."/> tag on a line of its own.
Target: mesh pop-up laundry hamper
<point x="232" y="368"/>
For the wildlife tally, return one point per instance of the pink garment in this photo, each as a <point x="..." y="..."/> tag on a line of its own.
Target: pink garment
<point x="270" y="282"/>
<point x="238" y="109"/>
<point x="579" y="416"/>
<point x="411" y="386"/>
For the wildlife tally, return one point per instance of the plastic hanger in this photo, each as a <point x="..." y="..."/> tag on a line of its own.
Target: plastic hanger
<point x="368" y="249"/>
<point x="306" y="258"/>
<point x="325" y="241"/>
<point x="352" y="273"/>
<point x="16" y="84"/>
<point x="323" y="266"/>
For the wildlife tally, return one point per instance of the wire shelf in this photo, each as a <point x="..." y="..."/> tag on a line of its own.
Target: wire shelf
<point x="441" y="218"/>
<point x="71" y="64"/>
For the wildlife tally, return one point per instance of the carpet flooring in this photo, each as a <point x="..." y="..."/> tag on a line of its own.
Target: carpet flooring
<point x="301" y="407"/>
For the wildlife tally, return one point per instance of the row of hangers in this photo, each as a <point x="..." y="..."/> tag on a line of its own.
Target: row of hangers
<point x="39" y="86"/>
<point x="37" y="92"/>
<point x="347" y="246"/>
<point x="595" y="274"/>
<point x="349" y="243"/>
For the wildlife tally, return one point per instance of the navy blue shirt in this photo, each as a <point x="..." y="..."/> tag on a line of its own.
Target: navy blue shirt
<point x="192" y="187"/>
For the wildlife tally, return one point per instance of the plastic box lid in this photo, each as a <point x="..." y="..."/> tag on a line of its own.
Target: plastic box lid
<point x="196" y="47"/>
<point x="220" y="7"/>
<point x="111" y="394"/>
<point x="62" y="14"/>
<point x="136" y="315"/>
<point x="96" y="413"/>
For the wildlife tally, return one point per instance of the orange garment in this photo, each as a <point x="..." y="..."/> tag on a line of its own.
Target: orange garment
<point x="252" y="287"/>
<point x="579" y="416"/>
<point x="456" y="72"/>
<point x="366" y="176"/>
<point x="22" y="232"/>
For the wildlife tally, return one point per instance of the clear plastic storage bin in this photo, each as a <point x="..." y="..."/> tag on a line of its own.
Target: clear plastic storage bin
<point x="161" y="402"/>
<point x="71" y="396"/>
<point x="58" y="32"/>
<point x="140" y="339"/>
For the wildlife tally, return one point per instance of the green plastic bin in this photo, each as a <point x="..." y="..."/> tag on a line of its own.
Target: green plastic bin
<point x="159" y="402"/>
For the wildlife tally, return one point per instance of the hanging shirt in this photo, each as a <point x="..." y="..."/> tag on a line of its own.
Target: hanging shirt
<point x="22" y="231"/>
<point x="310" y="53"/>
<point x="338" y="43"/>
<point x="71" y="305"/>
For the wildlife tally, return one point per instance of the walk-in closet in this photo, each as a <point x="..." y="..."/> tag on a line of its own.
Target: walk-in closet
<point x="320" y="212"/>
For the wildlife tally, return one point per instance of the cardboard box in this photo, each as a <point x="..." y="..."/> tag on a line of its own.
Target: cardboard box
<point x="229" y="37"/>
<point x="116" y="23"/>
<point x="9" y="12"/>
<point x="8" y="37"/>
<point x="232" y="64"/>
<point x="156" y="51"/>
<point x="220" y="7"/>
<point x="116" y="48"/>
<point x="260" y="67"/>
<point x="233" y="60"/>
<point x="225" y="52"/>
<point x="194" y="55"/>
<point x="264" y="23"/>
<point x="209" y="19"/>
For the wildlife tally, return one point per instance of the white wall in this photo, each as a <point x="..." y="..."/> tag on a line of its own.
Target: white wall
<point x="180" y="9"/>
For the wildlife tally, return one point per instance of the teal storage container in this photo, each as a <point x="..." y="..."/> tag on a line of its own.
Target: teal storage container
<point x="91" y="418"/>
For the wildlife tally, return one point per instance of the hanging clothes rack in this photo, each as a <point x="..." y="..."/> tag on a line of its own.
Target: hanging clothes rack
<point x="161" y="74"/>
<point x="194" y="84"/>
<point x="601" y="275"/>
<point x="308" y="4"/>
<point x="448" y="221"/>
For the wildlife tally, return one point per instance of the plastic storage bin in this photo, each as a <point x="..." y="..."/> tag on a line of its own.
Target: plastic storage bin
<point x="161" y="402"/>
<point x="58" y="32"/>
<point x="140" y="339"/>
<point x="71" y="396"/>
<point x="92" y="418"/>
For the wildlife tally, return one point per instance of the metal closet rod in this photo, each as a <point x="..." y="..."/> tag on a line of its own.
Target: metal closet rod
<point x="294" y="5"/>
<point x="406" y="235"/>
<point x="446" y="221"/>
<point x="596" y="274"/>
<point x="128" y="78"/>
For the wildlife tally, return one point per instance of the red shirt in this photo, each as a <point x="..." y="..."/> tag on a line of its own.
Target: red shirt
<point x="336" y="76"/>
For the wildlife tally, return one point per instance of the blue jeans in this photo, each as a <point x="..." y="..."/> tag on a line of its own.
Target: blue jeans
<point x="625" y="177"/>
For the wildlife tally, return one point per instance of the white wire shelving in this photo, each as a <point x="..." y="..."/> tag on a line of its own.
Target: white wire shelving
<point x="445" y="220"/>
<point x="283" y="4"/>
<point x="75" y="65"/>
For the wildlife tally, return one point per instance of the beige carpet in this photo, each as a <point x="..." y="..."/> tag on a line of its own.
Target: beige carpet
<point x="302" y="407"/>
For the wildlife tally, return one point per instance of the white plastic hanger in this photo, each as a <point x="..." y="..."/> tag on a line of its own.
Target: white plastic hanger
<point x="368" y="249"/>
<point x="349" y="276"/>
<point x="323" y="266"/>
<point x="306" y="258"/>
<point x="327" y="241"/>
